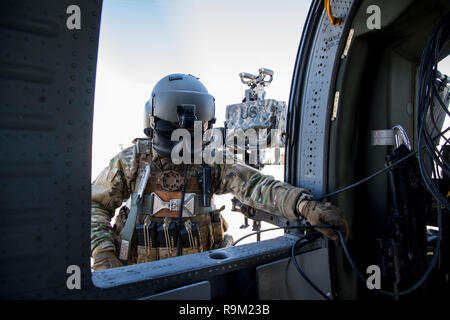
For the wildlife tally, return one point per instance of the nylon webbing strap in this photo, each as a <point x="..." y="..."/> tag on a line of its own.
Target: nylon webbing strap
<point x="128" y="230"/>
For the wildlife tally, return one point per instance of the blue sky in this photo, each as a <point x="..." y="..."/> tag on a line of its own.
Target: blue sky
<point x="142" y="41"/>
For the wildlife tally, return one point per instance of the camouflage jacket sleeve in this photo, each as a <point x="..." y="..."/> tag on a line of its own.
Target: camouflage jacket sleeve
<point x="257" y="190"/>
<point x="109" y="190"/>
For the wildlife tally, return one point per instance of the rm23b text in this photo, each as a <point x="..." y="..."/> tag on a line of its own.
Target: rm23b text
<point x="247" y="309"/>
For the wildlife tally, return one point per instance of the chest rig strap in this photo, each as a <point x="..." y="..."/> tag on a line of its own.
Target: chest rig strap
<point x="136" y="202"/>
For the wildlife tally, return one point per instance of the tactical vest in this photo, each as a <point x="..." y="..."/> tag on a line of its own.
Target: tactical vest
<point x="156" y="231"/>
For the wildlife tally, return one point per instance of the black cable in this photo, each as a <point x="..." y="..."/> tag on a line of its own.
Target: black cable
<point x="428" y="91"/>
<point x="350" y="260"/>
<point x="427" y="83"/>
<point x="429" y="156"/>
<point x="437" y="157"/>
<point x="386" y="169"/>
<point x="306" y="226"/>
<point x="420" y="281"/>
<point x="367" y="178"/>
<point x="430" y="184"/>
<point x="305" y="237"/>
<point x="300" y="271"/>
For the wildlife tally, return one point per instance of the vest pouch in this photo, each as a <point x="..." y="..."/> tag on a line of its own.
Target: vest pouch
<point x="146" y="254"/>
<point x="190" y="238"/>
<point x="147" y="243"/>
<point x="167" y="252"/>
<point x="167" y="237"/>
<point x="192" y="250"/>
<point x="147" y="235"/>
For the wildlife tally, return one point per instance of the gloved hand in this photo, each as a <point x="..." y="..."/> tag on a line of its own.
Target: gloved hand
<point x="225" y="243"/>
<point x="316" y="212"/>
<point x="105" y="259"/>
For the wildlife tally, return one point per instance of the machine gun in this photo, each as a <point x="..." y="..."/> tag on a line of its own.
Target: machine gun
<point x="409" y="239"/>
<point x="254" y="128"/>
<point x="256" y="84"/>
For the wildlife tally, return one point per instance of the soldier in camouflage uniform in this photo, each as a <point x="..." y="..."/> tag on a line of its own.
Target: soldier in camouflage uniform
<point x="205" y="228"/>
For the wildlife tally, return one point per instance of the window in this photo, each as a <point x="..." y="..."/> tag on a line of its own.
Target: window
<point x="143" y="41"/>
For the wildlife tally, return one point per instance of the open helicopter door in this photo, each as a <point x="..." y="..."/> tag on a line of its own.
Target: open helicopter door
<point x="47" y="84"/>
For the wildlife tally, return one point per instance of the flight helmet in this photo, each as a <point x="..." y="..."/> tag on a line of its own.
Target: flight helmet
<point x="177" y="101"/>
